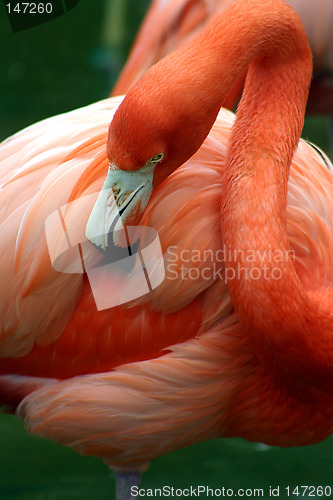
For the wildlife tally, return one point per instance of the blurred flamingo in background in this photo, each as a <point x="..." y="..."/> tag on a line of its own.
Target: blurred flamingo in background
<point x="188" y="361"/>
<point x="169" y="24"/>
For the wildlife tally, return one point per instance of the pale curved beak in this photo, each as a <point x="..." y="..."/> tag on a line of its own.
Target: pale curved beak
<point x="122" y="200"/>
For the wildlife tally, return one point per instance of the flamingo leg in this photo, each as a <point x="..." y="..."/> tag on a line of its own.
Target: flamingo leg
<point x="125" y="480"/>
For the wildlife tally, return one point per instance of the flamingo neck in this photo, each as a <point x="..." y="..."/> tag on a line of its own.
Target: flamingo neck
<point x="289" y="330"/>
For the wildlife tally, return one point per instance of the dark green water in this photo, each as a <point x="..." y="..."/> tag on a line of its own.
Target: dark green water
<point x="54" y="68"/>
<point x="34" y="469"/>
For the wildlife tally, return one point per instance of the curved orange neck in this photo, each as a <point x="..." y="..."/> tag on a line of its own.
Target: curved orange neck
<point x="290" y="331"/>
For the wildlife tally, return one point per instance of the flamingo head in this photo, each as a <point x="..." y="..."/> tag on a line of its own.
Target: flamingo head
<point x="160" y="124"/>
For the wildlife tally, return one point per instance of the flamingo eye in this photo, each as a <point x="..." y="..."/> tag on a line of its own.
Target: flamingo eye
<point x="156" y="158"/>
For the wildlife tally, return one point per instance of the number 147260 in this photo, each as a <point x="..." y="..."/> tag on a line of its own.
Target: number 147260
<point x="29" y="8"/>
<point x="309" y="491"/>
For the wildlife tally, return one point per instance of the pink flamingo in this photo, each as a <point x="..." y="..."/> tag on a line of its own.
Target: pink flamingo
<point x="244" y="353"/>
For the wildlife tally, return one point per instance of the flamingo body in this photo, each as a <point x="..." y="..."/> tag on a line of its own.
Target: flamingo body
<point x="205" y="377"/>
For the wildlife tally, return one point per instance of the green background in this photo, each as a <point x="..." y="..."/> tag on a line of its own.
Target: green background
<point x="53" y="68"/>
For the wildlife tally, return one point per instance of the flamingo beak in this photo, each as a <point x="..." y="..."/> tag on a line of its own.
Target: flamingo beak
<point x="122" y="200"/>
